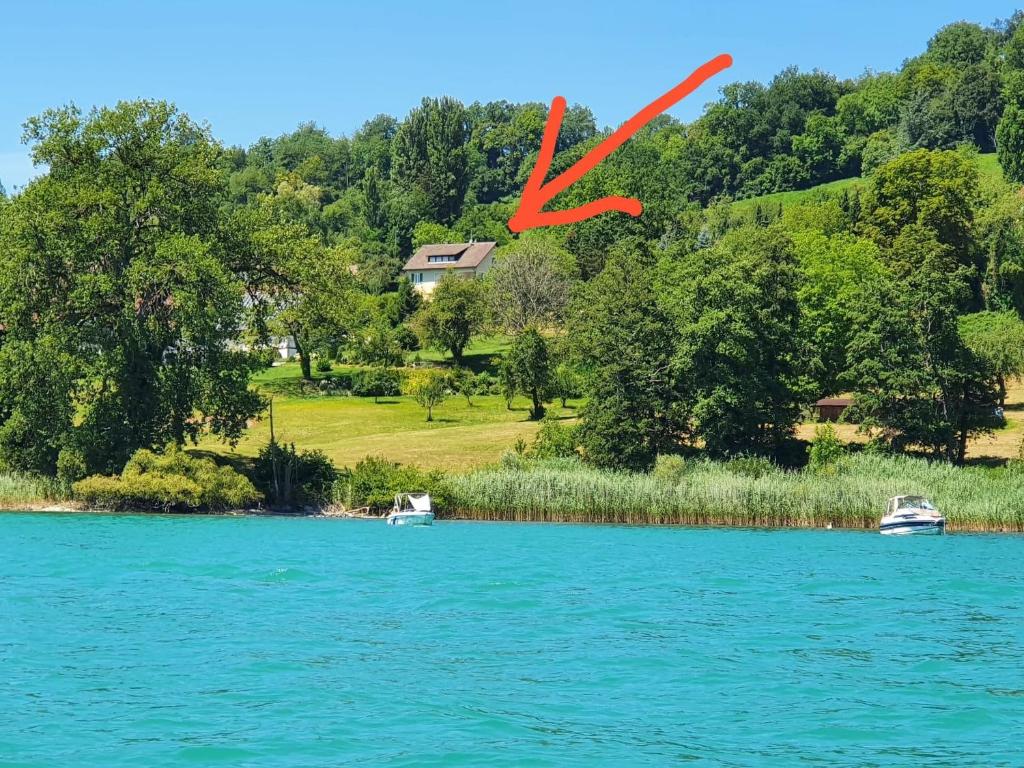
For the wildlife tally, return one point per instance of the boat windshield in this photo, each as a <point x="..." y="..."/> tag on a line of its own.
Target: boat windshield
<point x="915" y="502"/>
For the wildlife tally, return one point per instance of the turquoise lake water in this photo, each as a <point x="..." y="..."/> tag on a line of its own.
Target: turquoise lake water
<point x="167" y="641"/>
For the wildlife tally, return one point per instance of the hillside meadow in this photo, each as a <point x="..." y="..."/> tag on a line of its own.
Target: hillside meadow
<point x="989" y="171"/>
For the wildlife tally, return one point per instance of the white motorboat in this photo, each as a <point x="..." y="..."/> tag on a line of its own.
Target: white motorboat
<point x="411" y="509"/>
<point x="911" y="515"/>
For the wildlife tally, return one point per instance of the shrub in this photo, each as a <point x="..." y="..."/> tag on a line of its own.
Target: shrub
<point x="554" y="439"/>
<point x="267" y="356"/>
<point x="486" y="384"/>
<point x="71" y="467"/>
<point x="669" y="468"/>
<point x="377" y="382"/>
<point x="171" y="481"/>
<point x="292" y="478"/>
<point x="323" y="365"/>
<point x="375" y="481"/>
<point x="826" y="449"/>
<point x="406" y="338"/>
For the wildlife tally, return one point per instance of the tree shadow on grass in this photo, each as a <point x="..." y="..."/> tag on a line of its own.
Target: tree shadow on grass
<point x="243" y="464"/>
<point x="988" y="462"/>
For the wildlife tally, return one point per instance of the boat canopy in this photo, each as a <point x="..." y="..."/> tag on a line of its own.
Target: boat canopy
<point x="418" y="502"/>
<point x="910" y="502"/>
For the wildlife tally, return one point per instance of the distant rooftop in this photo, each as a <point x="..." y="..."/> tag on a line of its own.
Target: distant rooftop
<point x="450" y="255"/>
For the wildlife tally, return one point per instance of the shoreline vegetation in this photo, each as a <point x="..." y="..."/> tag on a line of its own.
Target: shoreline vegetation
<point x="747" y="493"/>
<point x="744" y="493"/>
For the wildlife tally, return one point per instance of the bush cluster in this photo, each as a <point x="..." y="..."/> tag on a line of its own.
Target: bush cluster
<point x="292" y="478"/>
<point x="375" y="481"/>
<point x="369" y="382"/>
<point x="168" y="481"/>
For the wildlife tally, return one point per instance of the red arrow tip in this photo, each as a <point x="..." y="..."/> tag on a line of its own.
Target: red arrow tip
<point x="536" y="194"/>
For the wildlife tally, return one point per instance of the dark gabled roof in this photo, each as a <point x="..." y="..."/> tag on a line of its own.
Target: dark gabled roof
<point x="470" y="255"/>
<point x="843" y="402"/>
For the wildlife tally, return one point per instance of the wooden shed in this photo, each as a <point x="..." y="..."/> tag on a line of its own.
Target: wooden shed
<point x="831" y="408"/>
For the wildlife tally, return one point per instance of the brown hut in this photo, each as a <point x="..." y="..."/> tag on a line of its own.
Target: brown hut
<point x="831" y="408"/>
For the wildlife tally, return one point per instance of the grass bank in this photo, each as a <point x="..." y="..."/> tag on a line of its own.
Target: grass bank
<point x="704" y="493"/>
<point x="21" y="491"/>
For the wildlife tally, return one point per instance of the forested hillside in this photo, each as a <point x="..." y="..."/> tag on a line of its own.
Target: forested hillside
<point x="459" y="166"/>
<point x="147" y="270"/>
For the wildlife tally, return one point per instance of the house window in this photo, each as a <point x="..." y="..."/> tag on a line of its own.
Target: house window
<point x="442" y="259"/>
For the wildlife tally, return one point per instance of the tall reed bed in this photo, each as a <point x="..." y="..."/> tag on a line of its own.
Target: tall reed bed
<point x="17" y="488"/>
<point x="851" y="495"/>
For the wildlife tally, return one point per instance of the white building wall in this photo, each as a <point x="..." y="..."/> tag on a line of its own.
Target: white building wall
<point x="426" y="280"/>
<point x="485" y="265"/>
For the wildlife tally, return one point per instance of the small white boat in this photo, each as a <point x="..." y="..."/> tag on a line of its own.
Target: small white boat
<point x="411" y="509"/>
<point x="911" y="515"/>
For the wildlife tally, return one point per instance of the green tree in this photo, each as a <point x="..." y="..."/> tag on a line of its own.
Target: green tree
<point x="529" y="284"/>
<point x="529" y="363"/>
<point x="915" y="380"/>
<point x="624" y="341"/>
<point x="377" y="344"/>
<point x="454" y="314"/>
<point x="430" y="154"/>
<point x="298" y="286"/>
<point x="1010" y="143"/>
<point x="738" y="348"/>
<point x="565" y="382"/>
<point x="820" y="149"/>
<point x="998" y="339"/>
<point x="116" y="280"/>
<point x="429" y="389"/>
<point x="938" y="190"/>
<point x="961" y="44"/>
<point x="835" y="271"/>
<point x="508" y="382"/>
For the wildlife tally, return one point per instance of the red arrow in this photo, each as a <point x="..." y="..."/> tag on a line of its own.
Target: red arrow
<point x="537" y="194"/>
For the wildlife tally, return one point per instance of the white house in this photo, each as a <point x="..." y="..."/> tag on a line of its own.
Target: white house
<point x="430" y="262"/>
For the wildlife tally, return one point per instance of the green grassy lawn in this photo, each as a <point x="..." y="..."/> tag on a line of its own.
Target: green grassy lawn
<point x="347" y="429"/>
<point x="988" y="167"/>
<point x="481" y="355"/>
<point x="797" y="196"/>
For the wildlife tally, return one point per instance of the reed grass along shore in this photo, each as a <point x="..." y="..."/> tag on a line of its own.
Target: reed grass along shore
<point x="851" y="495"/>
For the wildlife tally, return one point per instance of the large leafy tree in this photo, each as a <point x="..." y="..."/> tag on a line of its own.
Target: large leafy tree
<point x="1010" y="141"/>
<point x="915" y="379"/>
<point x="624" y="342"/>
<point x="298" y="286"/>
<point x="116" y="287"/>
<point x="835" y="272"/>
<point x="431" y="155"/>
<point x="530" y="367"/>
<point x="455" y="312"/>
<point x="937" y="191"/>
<point x="530" y="284"/>
<point x="998" y="339"/>
<point x="738" y="348"/>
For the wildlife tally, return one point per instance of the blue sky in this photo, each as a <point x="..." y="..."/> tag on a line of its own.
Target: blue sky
<point x="259" y="68"/>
